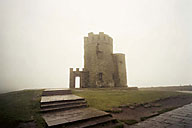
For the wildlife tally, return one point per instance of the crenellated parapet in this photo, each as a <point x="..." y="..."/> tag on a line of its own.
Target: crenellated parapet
<point x="95" y="38"/>
<point x="77" y="70"/>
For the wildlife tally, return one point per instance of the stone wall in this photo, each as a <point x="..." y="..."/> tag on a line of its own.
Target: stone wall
<point x="102" y="68"/>
<point x="84" y="75"/>
<point x="120" y="70"/>
<point x="98" y="50"/>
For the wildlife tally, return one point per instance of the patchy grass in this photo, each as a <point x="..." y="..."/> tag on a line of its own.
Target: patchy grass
<point x="106" y="99"/>
<point x="23" y="106"/>
<point x="130" y="122"/>
<point x="119" y="126"/>
<point x="166" y="110"/>
<point x="147" y="117"/>
<point x="20" y="106"/>
<point x="119" y="110"/>
<point x="158" y="113"/>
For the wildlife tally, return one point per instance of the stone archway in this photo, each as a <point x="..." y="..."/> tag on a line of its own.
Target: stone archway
<point x="77" y="82"/>
<point x="83" y="78"/>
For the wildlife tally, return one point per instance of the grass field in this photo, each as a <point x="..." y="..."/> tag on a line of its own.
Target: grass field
<point x="20" y="106"/>
<point x="23" y="106"/>
<point x="105" y="99"/>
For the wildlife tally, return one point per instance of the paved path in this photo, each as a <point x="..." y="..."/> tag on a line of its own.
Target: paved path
<point x="178" y="118"/>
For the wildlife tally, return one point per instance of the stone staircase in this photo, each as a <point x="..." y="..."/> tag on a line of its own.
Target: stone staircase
<point x="61" y="109"/>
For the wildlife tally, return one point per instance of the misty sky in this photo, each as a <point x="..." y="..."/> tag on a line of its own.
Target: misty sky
<point x="41" y="39"/>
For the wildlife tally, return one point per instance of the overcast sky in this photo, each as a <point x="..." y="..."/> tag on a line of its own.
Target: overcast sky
<point x="41" y="39"/>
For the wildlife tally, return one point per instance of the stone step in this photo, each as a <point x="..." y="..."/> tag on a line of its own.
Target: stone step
<point x="55" y="104"/>
<point x="63" y="108"/>
<point x="60" y="98"/>
<point x="110" y="124"/>
<point x="60" y="108"/>
<point x="52" y="92"/>
<point x="62" y="101"/>
<point x="93" y="122"/>
<point x="72" y="116"/>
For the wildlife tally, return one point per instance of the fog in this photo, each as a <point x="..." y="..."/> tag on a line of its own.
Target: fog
<point x="41" y="39"/>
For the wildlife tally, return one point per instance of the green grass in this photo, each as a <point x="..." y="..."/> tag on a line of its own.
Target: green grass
<point x="20" y="106"/>
<point x="106" y="99"/>
<point x="23" y="106"/>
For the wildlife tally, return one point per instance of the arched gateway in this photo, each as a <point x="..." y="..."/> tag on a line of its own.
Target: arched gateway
<point x="83" y="78"/>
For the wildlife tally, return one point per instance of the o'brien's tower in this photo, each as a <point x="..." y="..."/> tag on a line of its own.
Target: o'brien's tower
<point x="102" y="68"/>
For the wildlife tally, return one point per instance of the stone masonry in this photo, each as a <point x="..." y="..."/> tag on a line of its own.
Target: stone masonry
<point x="178" y="118"/>
<point x="61" y="109"/>
<point x="102" y="68"/>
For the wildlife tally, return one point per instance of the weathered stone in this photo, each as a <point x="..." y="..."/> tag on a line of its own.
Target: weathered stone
<point x="116" y="110"/>
<point x="156" y="105"/>
<point x="93" y="122"/>
<point x="102" y="68"/>
<point x="58" y="98"/>
<point x="64" y="107"/>
<point x="132" y="107"/>
<point x="147" y="106"/>
<point x="124" y="106"/>
<point x="67" y="111"/>
<point x="178" y="118"/>
<point x="63" y="117"/>
<point x="56" y="91"/>
<point x="137" y="105"/>
<point x="50" y="104"/>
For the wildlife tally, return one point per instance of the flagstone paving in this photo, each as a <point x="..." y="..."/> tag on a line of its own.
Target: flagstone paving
<point x="178" y="118"/>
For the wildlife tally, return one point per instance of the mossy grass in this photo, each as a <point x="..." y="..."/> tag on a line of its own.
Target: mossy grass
<point x="19" y="107"/>
<point x="147" y="117"/>
<point x="119" y="126"/>
<point x="106" y="99"/>
<point x="114" y="111"/>
<point x="23" y="106"/>
<point x="130" y="122"/>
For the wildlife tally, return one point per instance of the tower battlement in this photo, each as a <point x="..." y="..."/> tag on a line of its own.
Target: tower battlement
<point x="76" y="69"/>
<point x="101" y="37"/>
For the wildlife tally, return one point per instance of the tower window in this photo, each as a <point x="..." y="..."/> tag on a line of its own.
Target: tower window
<point x="100" y="76"/>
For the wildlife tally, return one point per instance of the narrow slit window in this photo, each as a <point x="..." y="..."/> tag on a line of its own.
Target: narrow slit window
<point x="100" y="76"/>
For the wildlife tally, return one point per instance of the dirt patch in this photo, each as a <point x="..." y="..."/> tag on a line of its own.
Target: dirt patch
<point x="140" y="112"/>
<point x="30" y="124"/>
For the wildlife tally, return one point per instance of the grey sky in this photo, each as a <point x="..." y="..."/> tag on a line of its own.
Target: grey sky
<point x="41" y="39"/>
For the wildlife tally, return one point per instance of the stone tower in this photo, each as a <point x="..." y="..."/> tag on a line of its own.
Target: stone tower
<point x="102" y="68"/>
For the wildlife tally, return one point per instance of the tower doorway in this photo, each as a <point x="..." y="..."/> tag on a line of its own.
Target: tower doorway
<point x="77" y="82"/>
